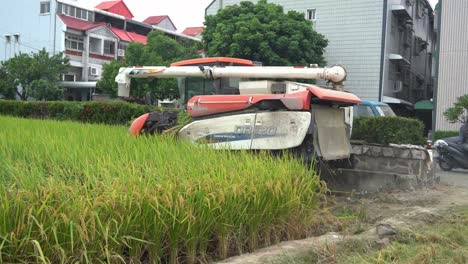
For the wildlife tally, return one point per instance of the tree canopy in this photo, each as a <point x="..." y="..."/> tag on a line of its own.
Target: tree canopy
<point x="33" y="75"/>
<point x="263" y="32"/>
<point x="160" y="50"/>
<point x="459" y="111"/>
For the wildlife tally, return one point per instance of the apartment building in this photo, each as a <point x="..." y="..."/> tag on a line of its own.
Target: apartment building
<point x="452" y="54"/>
<point x="88" y="36"/>
<point x="386" y="45"/>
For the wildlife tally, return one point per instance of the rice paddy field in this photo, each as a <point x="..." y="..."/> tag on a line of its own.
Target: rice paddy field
<point x="72" y="192"/>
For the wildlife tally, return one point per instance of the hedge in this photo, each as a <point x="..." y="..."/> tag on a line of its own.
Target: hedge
<point x="386" y="130"/>
<point x="89" y="112"/>
<point x="444" y="134"/>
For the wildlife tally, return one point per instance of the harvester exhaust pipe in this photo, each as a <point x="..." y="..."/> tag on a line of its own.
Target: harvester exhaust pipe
<point x="336" y="74"/>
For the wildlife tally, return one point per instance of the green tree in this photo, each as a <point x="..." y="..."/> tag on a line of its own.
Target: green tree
<point x="43" y="90"/>
<point x="107" y="82"/>
<point x="7" y="86"/>
<point x="263" y="32"/>
<point x="25" y="70"/>
<point x="459" y="111"/>
<point x="160" y="50"/>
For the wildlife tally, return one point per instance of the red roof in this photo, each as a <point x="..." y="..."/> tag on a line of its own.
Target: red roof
<point x="193" y="31"/>
<point x="128" y="36"/>
<point x="78" y="23"/>
<point x="210" y="60"/>
<point x="107" y="5"/>
<point x="155" y="20"/>
<point x="117" y="7"/>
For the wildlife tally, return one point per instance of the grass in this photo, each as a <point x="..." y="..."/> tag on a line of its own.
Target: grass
<point x="73" y="192"/>
<point x="442" y="241"/>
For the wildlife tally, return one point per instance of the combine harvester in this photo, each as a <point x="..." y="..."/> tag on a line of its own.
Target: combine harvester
<point x="254" y="115"/>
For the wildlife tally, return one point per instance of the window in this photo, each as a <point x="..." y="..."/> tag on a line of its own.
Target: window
<point x="95" y="45"/>
<point x="385" y="110"/>
<point x="45" y="8"/>
<point x="109" y="47"/>
<point x="75" y="12"/>
<point x="73" y="42"/>
<point x="69" y="77"/>
<point x="362" y="110"/>
<point x="311" y="14"/>
<point x="81" y="14"/>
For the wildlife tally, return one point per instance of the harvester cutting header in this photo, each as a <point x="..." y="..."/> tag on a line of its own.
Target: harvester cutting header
<point x="241" y="113"/>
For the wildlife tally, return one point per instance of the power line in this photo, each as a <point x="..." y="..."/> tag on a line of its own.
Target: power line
<point x="23" y="44"/>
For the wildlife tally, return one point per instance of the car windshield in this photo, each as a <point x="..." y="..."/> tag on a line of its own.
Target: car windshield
<point x="363" y="110"/>
<point x="385" y="110"/>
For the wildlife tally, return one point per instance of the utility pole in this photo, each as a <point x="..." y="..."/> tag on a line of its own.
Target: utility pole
<point x="16" y="37"/>
<point x="7" y="42"/>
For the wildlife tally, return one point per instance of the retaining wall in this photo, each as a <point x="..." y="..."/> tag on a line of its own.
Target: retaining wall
<point x="375" y="168"/>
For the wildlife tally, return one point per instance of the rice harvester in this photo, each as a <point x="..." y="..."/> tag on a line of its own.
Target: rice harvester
<point x="231" y="108"/>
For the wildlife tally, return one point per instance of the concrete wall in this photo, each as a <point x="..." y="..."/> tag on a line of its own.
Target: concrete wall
<point x="453" y="59"/>
<point x="36" y="30"/>
<point x="377" y="168"/>
<point x="354" y="31"/>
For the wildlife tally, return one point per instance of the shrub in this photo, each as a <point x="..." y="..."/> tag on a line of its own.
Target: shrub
<point x="88" y="112"/>
<point x="444" y="134"/>
<point x="386" y="130"/>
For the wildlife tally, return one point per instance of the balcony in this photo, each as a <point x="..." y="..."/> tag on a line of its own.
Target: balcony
<point x="397" y="58"/>
<point x="401" y="12"/>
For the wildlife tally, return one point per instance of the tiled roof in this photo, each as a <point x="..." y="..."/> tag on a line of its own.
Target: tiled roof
<point x="117" y="7"/>
<point x="193" y="31"/>
<point x="79" y="24"/>
<point x="107" y="5"/>
<point x="128" y="36"/>
<point x="155" y="20"/>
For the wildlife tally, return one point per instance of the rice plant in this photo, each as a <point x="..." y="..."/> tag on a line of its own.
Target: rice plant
<point x="72" y="192"/>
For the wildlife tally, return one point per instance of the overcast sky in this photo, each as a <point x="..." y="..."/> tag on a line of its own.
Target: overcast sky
<point x="184" y="13"/>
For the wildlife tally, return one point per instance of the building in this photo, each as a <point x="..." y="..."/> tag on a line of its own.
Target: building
<point x="89" y="36"/>
<point x="195" y="32"/>
<point x="161" y="22"/>
<point x="452" y="77"/>
<point x="386" y="45"/>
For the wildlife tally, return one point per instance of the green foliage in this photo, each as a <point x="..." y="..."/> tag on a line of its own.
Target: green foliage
<point x="444" y="134"/>
<point x="89" y="193"/>
<point x="38" y="74"/>
<point x="263" y="32"/>
<point x="7" y="90"/>
<point x="388" y="129"/>
<point x="43" y="90"/>
<point x="160" y="50"/>
<point x="107" y="84"/>
<point x="89" y="112"/>
<point x="459" y="111"/>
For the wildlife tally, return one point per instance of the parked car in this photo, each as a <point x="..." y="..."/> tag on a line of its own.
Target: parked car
<point x="371" y="108"/>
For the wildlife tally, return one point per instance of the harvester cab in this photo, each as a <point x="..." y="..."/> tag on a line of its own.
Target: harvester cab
<point x="230" y="108"/>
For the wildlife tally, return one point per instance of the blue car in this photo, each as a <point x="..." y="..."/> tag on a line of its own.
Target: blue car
<point x="371" y="108"/>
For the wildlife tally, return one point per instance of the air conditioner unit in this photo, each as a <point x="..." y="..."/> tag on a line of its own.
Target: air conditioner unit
<point x="121" y="52"/>
<point x="93" y="71"/>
